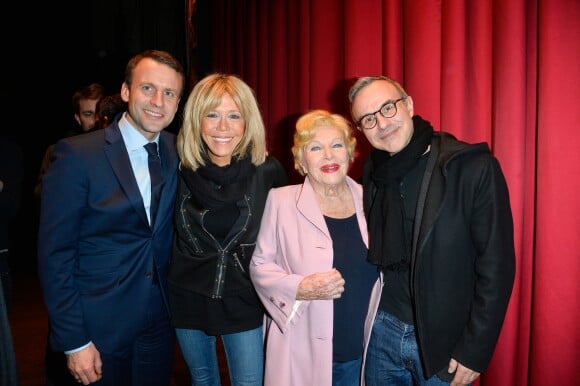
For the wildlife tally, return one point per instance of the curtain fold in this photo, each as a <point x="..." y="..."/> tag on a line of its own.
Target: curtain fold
<point x="556" y="255"/>
<point x="501" y="72"/>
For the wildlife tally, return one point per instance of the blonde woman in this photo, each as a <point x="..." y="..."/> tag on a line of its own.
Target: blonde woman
<point x="310" y="267"/>
<point x="224" y="177"/>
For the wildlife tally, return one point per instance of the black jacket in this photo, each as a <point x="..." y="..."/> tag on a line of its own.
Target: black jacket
<point x="200" y="263"/>
<point x="463" y="259"/>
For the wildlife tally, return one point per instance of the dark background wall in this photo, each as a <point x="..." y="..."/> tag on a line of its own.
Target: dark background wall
<point x="48" y="52"/>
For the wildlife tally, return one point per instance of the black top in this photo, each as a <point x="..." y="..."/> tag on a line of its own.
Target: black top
<point x="350" y="309"/>
<point x="396" y="294"/>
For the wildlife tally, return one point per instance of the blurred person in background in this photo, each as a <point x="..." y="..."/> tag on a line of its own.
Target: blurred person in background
<point x="107" y="109"/>
<point x="11" y="177"/>
<point x="84" y="104"/>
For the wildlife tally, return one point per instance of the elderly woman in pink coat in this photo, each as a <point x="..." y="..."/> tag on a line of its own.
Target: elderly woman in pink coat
<point x="309" y="266"/>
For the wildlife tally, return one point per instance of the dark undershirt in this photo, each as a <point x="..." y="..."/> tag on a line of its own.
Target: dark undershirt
<point x="396" y="294"/>
<point x="350" y="310"/>
<point x="220" y="221"/>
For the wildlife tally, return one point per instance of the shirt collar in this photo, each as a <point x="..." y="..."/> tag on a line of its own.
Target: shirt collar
<point x="132" y="137"/>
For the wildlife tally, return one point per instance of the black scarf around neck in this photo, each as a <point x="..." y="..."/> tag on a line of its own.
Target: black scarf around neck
<point x="388" y="244"/>
<point x="215" y="186"/>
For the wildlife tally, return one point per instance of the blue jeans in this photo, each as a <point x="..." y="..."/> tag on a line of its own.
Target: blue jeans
<point x="393" y="356"/>
<point x="244" y="353"/>
<point x="346" y="373"/>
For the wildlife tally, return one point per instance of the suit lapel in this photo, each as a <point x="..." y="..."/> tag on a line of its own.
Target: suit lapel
<point x="116" y="153"/>
<point x="308" y="207"/>
<point x="428" y="205"/>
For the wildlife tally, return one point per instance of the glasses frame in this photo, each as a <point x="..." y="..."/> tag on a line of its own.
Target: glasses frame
<point x="394" y="103"/>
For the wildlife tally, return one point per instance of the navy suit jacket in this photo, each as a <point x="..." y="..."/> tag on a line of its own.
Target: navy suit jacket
<point x="96" y="248"/>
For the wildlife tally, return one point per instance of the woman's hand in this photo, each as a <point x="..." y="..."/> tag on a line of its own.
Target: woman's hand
<point x="321" y="286"/>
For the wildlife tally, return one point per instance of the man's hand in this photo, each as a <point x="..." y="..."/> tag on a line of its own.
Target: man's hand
<point x="463" y="375"/>
<point x="85" y="365"/>
<point x="321" y="286"/>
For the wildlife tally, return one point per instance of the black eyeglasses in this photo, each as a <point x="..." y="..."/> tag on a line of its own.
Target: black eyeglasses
<point x="387" y="110"/>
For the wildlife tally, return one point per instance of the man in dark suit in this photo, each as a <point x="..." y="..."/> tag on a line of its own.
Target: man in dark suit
<point x="103" y="254"/>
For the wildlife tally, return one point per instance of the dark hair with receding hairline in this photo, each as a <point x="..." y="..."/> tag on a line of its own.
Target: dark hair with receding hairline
<point x="364" y="81"/>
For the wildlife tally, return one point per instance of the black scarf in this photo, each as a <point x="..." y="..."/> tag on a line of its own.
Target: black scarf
<point x="389" y="247"/>
<point x="215" y="186"/>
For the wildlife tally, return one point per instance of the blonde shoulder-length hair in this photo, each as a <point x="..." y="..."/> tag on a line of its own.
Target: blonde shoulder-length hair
<point x="204" y="97"/>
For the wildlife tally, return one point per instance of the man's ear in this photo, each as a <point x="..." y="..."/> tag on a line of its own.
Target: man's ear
<point x="409" y="104"/>
<point x="125" y="92"/>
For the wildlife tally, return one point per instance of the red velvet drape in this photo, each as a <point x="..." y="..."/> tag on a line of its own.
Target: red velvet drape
<point x="503" y="71"/>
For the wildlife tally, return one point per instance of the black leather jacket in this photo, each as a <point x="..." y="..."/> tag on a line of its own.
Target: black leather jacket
<point x="201" y="263"/>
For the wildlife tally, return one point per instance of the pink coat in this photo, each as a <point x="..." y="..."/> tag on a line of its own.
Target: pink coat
<point x="294" y="242"/>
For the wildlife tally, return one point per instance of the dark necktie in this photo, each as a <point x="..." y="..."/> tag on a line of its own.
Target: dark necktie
<point x="156" y="174"/>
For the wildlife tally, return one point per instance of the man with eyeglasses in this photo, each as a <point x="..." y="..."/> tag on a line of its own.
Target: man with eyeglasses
<point x="441" y="231"/>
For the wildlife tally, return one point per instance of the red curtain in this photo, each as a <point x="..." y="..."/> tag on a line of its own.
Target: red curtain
<point x="502" y="71"/>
